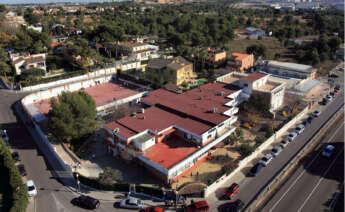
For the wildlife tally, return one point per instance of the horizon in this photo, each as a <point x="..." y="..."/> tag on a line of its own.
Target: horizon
<point x="14" y="2"/>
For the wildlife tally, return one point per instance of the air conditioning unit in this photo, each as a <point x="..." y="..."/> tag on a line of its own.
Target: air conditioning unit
<point x="116" y="130"/>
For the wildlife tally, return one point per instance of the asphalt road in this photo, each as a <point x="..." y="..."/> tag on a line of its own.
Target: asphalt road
<point x="52" y="195"/>
<point x="251" y="186"/>
<point x="313" y="184"/>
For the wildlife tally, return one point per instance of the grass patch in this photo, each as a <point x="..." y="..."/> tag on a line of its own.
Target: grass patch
<point x="273" y="46"/>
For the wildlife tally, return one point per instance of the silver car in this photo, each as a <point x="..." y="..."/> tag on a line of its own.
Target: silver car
<point x="266" y="159"/>
<point x="284" y="143"/>
<point x="316" y="113"/>
<point x="276" y="150"/>
<point x="292" y="136"/>
<point x="131" y="203"/>
<point x="299" y="129"/>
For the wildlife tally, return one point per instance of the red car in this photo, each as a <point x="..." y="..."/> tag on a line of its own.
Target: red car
<point x="232" y="190"/>
<point x="198" y="206"/>
<point x="153" y="209"/>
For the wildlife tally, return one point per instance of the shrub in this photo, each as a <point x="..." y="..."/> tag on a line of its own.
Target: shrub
<point x="109" y="176"/>
<point x="259" y="140"/>
<point x="17" y="190"/>
<point x="239" y="132"/>
<point x="245" y="150"/>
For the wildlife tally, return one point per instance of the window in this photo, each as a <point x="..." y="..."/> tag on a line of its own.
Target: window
<point x="209" y="136"/>
<point x="221" y="125"/>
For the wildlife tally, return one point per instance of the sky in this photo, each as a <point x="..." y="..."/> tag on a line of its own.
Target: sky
<point x="45" y="1"/>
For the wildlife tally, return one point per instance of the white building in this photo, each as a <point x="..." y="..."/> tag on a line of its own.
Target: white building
<point x="25" y="62"/>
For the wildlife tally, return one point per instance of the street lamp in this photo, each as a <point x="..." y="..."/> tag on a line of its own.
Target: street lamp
<point x="78" y="183"/>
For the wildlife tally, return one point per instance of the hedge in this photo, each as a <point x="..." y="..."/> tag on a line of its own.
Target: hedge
<point x="17" y="190"/>
<point x="124" y="187"/>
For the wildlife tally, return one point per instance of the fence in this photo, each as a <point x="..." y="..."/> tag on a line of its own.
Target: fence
<point x="243" y="163"/>
<point x="292" y="163"/>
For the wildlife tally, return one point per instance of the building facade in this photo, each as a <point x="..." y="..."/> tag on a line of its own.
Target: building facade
<point x="240" y="62"/>
<point x="288" y="70"/>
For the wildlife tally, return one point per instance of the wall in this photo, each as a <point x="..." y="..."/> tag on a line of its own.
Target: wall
<point x="243" y="163"/>
<point x="87" y="76"/>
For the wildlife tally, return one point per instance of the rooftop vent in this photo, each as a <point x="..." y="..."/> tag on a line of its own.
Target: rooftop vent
<point x="221" y="93"/>
<point x="116" y="130"/>
<point x="142" y="110"/>
<point x="214" y="110"/>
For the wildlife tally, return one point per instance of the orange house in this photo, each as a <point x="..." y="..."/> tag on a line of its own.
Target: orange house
<point x="241" y="62"/>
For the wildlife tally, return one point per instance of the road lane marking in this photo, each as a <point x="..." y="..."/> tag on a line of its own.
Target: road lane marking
<point x="322" y="178"/>
<point x="295" y="181"/>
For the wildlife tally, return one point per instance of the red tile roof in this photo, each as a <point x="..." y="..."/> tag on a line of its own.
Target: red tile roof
<point x="156" y="119"/>
<point x="239" y="56"/>
<point x="196" y="103"/>
<point x="254" y="76"/>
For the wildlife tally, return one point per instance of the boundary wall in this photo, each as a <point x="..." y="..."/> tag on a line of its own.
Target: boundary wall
<point x="243" y="163"/>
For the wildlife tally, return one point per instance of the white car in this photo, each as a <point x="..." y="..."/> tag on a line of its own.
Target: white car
<point x="131" y="203"/>
<point x="327" y="152"/>
<point x="276" y="150"/>
<point x="31" y="188"/>
<point x="316" y="113"/>
<point x="291" y="136"/>
<point x="266" y="159"/>
<point x="299" y="129"/>
<point x="329" y="97"/>
<point x="284" y="143"/>
<point x="4" y="135"/>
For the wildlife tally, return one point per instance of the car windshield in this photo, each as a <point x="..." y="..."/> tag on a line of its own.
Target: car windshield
<point x="31" y="188"/>
<point x="274" y="150"/>
<point x="328" y="150"/>
<point x="265" y="158"/>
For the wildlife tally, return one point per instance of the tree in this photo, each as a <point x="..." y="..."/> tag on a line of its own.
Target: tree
<point x="245" y="150"/>
<point x="2" y="8"/>
<point x="314" y="56"/>
<point x="4" y="68"/>
<point x="257" y="50"/>
<point x="110" y="176"/>
<point x="73" y="115"/>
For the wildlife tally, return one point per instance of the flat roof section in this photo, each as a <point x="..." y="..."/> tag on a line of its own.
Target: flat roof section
<point x="268" y="86"/>
<point x="170" y="152"/>
<point x="102" y="94"/>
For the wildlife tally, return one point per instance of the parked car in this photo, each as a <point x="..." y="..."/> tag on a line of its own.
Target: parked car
<point x="15" y="156"/>
<point x="340" y="69"/>
<point x="310" y="119"/>
<point x="198" y="206"/>
<point x="333" y="75"/>
<point x="299" y="129"/>
<point x="232" y="190"/>
<point x="324" y="101"/>
<point x="316" y="113"/>
<point x="153" y="209"/>
<point x="131" y="203"/>
<point x="4" y="135"/>
<point x="337" y="88"/>
<point x="256" y="169"/>
<point x="328" y="151"/>
<point x="276" y="150"/>
<point x="266" y="159"/>
<point x="87" y="202"/>
<point x="305" y="123"/>
<point x="332" y="94"/>
<point x="21" y="169"/>
<point x="32" y="191"/>
<point x="329" y="97"/>
<point x="291" y="136"/>
<point x="284" y="143"/>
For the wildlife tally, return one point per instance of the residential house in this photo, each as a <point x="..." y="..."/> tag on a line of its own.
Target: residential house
<point x="58" y="41"/>
<point x="13" y="20"/>
<point x="175" y="71"/>
<point x="25" y="62"/>
<point x="288" y="70"/>
<point x="270" y="91"/>
<point x="240" y="62"/>
<point x="255" y="31"/>
<point x="216" y="56"/>
<point x="136" y="50"/>
<point x="175" y="134"/>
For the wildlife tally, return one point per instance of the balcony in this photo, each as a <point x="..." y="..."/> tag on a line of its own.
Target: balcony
<point x="231" y="111"/>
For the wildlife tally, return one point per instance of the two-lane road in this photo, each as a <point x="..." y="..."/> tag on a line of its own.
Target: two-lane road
<point x="313" y="184"/>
